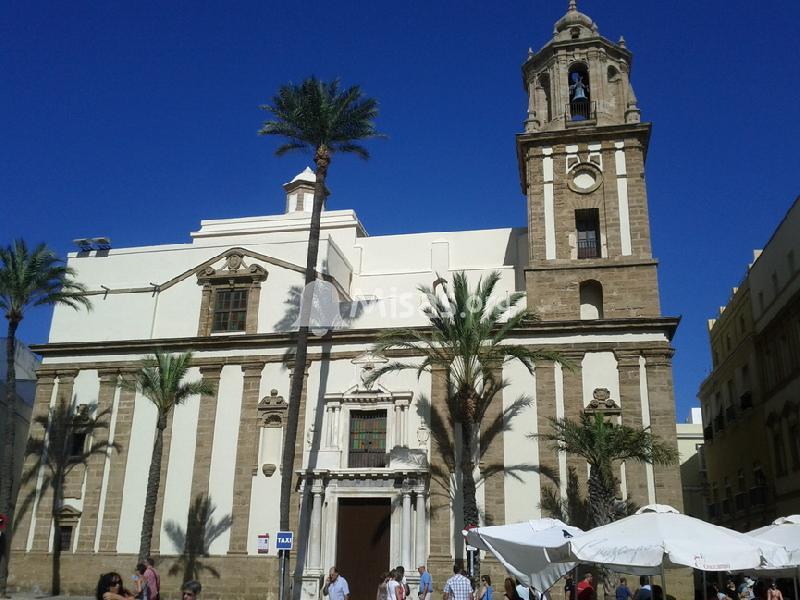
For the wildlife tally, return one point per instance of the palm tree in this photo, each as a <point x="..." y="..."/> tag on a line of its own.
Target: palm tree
<point x="323" y="118"/>
<point x="160" y="380"/>
<point x="602" y="443"/>
<point x="466" y="344"/>
<point x="71" y="441"/>
<point x="28" y="278"/>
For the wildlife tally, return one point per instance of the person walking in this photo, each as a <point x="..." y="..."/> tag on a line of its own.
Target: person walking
<point x="458" y="587"/>
<point x="645" y="591"/>
<point x="585" y="589"/>
<point x="486" y="592"/>
<point x="623" y="592"/>
<point x="425" y="583"/>
<point x="152" y="579"/>
<point x="336" y="586"/>
<point x="191" y="590"/>
<point x="569" y="588"/>
<point x="383" y="587"/>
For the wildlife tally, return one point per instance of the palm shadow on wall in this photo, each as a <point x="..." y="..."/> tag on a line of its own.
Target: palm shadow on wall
<point x="201" y="530"/>
<point x="71" y="437"/>
<point x="443" y="428"/>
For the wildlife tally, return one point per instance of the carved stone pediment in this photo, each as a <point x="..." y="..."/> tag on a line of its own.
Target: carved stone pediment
<point x="367" y="363"/>
<point x="234" y="271"/>
<point x="272" y="410"/>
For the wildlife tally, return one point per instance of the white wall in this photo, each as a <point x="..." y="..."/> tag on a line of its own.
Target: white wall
<point x="522" y="488"/>
<point x="599" y="370"/>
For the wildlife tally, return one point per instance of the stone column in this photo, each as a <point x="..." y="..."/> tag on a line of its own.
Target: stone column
<point x="662" y="422"/>
<point x="422" y="530"/>
<point x="204" y="442"/>
<point x="44" y="394"/>
<point x="109" y="527"/>
<point x="314" y="551"/>
<point x="44" y="509"/>
<point x="405" y="533"/>
<point x="95" y="467"/>
<point x="243" y="474"/>
<point x="631" y="405"/>
<point x="546" y="407"/>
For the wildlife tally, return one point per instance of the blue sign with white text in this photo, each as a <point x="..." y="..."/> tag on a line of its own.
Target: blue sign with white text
<point x="284" y="540"/>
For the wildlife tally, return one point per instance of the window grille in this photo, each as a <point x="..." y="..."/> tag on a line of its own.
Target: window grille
<point x="367" y="439"/>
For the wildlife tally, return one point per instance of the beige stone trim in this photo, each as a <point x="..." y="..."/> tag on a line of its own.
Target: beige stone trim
<point x="109" y="528"/>
<point x="631" y="404"/>
<point x="96" y="463"/>
<point x="44" y="394"/>
<point x="204" y="440"/>
<point x="243" y="477"/>
<point x="44" y="509"/>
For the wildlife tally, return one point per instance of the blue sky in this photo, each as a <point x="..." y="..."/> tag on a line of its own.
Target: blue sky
<point x="136" y="120"/>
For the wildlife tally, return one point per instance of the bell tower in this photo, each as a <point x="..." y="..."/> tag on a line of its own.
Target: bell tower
<point x="581" y="161"/>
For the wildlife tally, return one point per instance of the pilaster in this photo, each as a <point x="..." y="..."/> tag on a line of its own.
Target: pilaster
<point x="492" y="457"/>
<point x="28" y="493"/>
<point x="44" y="509"/>
<point x="243" y="474"/>
<point x="95" y="467"/>
<point x="299" y="446"/>
<point x="662" y="423"/>
<point x="546" y="410"/>
<point x="631" y="405"/>
<point x="204" y="440"/>
<point x="109" y="527"/>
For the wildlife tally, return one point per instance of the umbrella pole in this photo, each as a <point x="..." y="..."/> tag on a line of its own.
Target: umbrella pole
<point x="705" y="586"/>
<point x="795" y="584"/>
<point x="664" y="578"/>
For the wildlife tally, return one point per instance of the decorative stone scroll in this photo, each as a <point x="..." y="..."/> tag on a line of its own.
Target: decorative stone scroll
<point x="602" y="403"/>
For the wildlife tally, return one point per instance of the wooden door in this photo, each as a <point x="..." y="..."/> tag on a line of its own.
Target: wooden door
<point x="362" y="544"/>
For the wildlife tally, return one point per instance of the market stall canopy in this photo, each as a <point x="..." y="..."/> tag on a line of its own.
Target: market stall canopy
<point x="659" y="537"/>
<point x="785" y="532"/>
<point x="522" y="548"/>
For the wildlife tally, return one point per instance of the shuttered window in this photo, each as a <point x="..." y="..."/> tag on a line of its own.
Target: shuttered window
<point x="367" y="439"/>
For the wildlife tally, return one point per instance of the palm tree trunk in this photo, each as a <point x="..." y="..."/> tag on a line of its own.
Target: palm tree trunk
<point x="58" y="490"/>
<point x="470" y="501"/>
<point x="7" y="466"/>
<point x="322" y="159"/>
<point x="153" y="483"/>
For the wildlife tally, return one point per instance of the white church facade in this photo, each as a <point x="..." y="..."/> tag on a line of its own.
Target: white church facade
<point x="371" y="481"/>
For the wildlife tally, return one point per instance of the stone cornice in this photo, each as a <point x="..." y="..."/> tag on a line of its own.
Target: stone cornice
<point x="264" y="341"/>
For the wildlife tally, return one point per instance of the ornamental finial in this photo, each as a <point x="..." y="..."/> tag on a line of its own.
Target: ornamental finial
<point x="573" y="6"/>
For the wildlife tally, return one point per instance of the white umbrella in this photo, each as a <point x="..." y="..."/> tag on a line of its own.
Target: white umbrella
<point x="522" y="549"/>
<point x="786" y="532"/>
<point x="659" y="537"/>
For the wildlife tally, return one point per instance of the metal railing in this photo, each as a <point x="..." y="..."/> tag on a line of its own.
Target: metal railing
<point x="758" y="495"/>
<point x="363" y="460"/>
<point x="588" y="248"/>
<point x="580" y="110"/>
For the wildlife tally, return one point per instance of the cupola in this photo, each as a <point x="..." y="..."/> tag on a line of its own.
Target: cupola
<point x="300" y="192"/>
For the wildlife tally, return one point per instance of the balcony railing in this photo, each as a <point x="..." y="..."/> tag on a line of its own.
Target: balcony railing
<point x="741" y="501"/>
<point x="363" y="460"/>
<point x="746" y="400"/>
<point x="588" y="248"/>
<point x="580" y="110"/>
